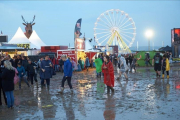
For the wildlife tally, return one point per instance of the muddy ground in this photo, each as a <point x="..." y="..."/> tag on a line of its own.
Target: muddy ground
<point x="142" y="97"/>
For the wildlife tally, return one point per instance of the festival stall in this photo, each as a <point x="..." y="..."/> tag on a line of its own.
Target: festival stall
<point x="76" y="53"/>
<point x="82" y="49"/>
<point x="31" y="45"/>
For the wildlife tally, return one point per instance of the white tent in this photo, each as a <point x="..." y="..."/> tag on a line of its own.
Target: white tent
<point x="19" y="38"/>
<point x="36" y="42"/>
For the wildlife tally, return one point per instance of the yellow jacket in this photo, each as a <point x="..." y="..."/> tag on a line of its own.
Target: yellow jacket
<point x="167" y="65"/>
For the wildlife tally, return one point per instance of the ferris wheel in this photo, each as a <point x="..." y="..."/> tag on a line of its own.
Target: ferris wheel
<point x="115" y="27"/>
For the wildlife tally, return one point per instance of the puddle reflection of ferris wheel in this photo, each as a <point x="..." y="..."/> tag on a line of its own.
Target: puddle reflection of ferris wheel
<point x="115" y="27"/>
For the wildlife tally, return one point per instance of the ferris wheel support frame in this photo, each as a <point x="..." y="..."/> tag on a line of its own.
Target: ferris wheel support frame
<point x="120" y="41"/>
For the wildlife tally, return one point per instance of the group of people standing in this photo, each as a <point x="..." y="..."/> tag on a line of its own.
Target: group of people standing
<point x="84" y="64"/>
<point x="18" y="69"/>
<point x="161" y="63"/>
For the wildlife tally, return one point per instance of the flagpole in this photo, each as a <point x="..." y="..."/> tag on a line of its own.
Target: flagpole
<point x="137" y="45"/>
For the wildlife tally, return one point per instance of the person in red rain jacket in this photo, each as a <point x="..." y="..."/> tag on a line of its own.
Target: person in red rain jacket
<point x="108" y="70"/>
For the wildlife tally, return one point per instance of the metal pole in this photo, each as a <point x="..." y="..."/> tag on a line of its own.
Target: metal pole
<point x="149" y="44"/>
<point x="94" y="43"/>
<point x="137" y="45"/>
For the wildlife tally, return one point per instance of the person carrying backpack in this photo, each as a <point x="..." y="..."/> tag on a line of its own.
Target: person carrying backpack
<point x="157" y="60"/>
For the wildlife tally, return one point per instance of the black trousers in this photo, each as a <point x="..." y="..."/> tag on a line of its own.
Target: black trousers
<point x="69" y="81"/>
<point x="61" y="67"/>
<point x="47" y="81"/>
<point x="28" y="77"/>
<point x="32" y="75"/>
<point x="130" y="62"/>
<point x="126" y="62"/>
<point x="1" y="89"/>
<point x="149" y="63"/>
<point x="163" y="70"/>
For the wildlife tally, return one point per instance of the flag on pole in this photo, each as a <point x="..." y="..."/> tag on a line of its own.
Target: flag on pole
<point x="77" y="29"/>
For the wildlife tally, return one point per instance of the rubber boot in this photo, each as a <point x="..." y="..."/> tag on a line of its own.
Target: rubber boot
<point x="167" y="76"/>
<point x="62" y="89"/>
<point x="163" y="76"/>
<point x="108" y="89"/>
<point x="72" y="91"/>
<point x="112" y="89"/>
<point x="37" y="84"/>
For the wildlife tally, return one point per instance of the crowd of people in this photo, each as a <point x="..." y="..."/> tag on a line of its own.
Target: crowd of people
<point x="105" y="66"/>
<point x="82" y="65"/>
<point x="20" y="68"/>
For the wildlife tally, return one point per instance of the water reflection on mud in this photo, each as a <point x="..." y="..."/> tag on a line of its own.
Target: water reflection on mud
<point x="143" y="96"/>
<point x="110" y="112"/>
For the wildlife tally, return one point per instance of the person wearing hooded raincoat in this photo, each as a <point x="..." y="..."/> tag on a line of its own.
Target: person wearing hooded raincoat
<point x="165" y="66"/>
<point x="46" y="74"/>
<point x="74" y="65"/>
<point x="80" y="63"/>
<point x="122" y="66"/>
<point x="87" y="63"/>
<point x="98" y="64"/>
<point x="108" y="71"/>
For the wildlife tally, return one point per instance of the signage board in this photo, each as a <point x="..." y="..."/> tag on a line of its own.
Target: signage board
<point x="27" y="46"/>
<point x="80" y="44"/>
<point x="69" y="53"/>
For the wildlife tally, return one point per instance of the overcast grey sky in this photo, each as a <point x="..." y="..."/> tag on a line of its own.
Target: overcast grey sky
<point x="55" y="20"/>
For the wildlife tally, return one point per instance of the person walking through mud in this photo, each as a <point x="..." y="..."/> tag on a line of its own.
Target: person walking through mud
<point x="22" y="75"/>
<point x="130" y="59"/>
<point x="98" y="64"/>
<point x="115" y="60"/>
<point x="46" y="74"/>
<point x="147" y="59"/>
<point x="25" y="64"/>
<point x="87" y="63"/>
<point x="127" y="59"/>
<point x="133" y="66"/>
<point x="165" y="66"/>
<point x="108" y="71"/>
<point x="1" y="88"/>
<point x="157" y="60"/>
<point x="32" y="71"/>
<point x="39" y="69"/>
<point x="8" y="83"/>
<point x="122" y="66"/>
<point x="67" y="73"/>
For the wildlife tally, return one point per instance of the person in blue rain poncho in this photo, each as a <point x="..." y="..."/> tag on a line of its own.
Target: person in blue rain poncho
<point x="46" y="74"/>
<point x="87" y="63"/>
